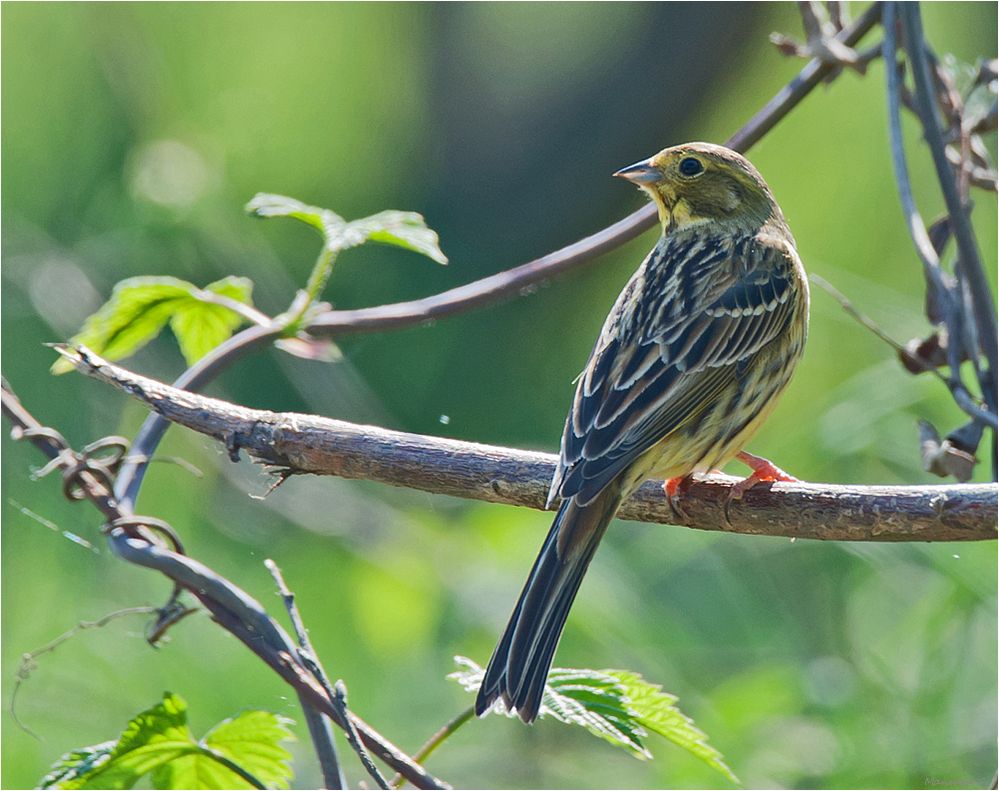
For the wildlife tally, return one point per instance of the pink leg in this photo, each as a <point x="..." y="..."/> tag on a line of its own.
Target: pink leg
<point x="763" y="470"/>
<point x="675" y="489"/>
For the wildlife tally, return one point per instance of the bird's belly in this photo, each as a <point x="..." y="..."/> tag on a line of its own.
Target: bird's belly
<point x="723" y="428"/>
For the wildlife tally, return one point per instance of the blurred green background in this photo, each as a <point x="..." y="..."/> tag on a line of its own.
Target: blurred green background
<point x="132" y="136"/>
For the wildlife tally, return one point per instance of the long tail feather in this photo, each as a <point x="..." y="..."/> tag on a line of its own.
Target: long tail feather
<point x="519" y="666"/>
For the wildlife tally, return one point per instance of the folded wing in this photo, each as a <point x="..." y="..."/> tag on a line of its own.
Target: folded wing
<point x="707" y="310"/>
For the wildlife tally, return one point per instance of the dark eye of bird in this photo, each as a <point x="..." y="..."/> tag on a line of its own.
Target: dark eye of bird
<point x="691" y="166"/>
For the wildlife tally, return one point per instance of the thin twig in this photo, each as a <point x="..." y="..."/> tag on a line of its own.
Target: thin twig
<point x="437" y="740"/>
<point x="917" y="228"/>
<point x="316" y="445"/>
<point x="948" y="298"/>
<point x="240" y="345"/>
<point x="234" y="609"/>
<point x="340" y="700"/>
<point x="969" y="257"/>
<point x="322" y="736"/>
<point x="243" y="616"/>
<point x="29" y="659"/>
<point x="943" y="294"/>
<point x="487" y="290"/>
<point x="961" y="396"/>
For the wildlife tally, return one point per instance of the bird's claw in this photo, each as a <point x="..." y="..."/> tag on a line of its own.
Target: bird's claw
<point x="764" y="471"/>
<point x="675" y="489"/>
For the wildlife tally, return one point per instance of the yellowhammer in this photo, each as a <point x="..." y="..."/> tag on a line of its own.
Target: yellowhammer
<point x="689" y="363"/>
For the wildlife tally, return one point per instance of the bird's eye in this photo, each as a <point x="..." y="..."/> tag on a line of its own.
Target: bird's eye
<point x="690" y="166"/>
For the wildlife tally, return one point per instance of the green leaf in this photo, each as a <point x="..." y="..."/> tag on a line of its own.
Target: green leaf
<point x="265" y="206"/>
<point x="158" y="741"/>
<point x="655" y="711"/>
<point x="595" y="701"/>
<point x="404" y="229"/>
<point x="587" y="698"/>
<point x="253" y="740"/>
<point x="76" y="764"/>
<point x="152" y="738"/>
<point x="201" y="325"/>
<point x="140" y="307"/>
<point x="137" y="311"/>
<point x="616" y="705"/>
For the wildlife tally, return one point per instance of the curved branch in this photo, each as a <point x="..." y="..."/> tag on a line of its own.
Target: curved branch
<point x="233" y="608"/>
<point x="321" y="446"/>
<point x="510" y="282"/>
<point x="971" y="261"/>
<point x="126" y="486"/>
<point x="488" y="289"/>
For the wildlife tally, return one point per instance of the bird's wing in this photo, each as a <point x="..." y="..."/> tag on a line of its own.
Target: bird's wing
<point x="685" y="328"/>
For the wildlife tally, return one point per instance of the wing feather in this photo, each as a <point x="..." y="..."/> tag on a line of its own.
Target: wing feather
<point x="688" y="323"/>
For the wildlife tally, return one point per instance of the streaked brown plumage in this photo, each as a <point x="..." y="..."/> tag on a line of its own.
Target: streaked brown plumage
<point x="689" y="363"/>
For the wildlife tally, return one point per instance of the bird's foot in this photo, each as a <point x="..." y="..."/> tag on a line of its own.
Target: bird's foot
<point x="675" y="489"/>
<point x="763" y="471"/>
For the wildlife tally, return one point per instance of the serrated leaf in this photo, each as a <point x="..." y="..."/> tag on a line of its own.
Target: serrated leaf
<point x="159" y="742"/>
<point x="266" y="205"/>
<point x="152" y="738"/>
<point x="140" y="307"/>
<point x="196" y="771"/>
<point x="404" y="229"/>
<point x="253" y="740"/>
<point x="76" y="764"/>
<point x="588" y="698"/>
<point x="616" y="705"/>
<point x="137" y="311"/>
<point x="655" y="711"/>
<point x="200" y="325"/>
<point x="596" y="701"/>
<point x="469" y="675"/>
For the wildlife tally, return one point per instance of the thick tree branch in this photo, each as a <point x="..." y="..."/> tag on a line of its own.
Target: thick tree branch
<point x="321" y="446"/>
<point x="486" y="290"/>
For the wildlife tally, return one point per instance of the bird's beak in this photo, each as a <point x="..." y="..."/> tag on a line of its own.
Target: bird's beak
<point x="643" y="172"/>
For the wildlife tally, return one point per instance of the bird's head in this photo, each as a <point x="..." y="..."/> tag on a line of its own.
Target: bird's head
<point x="698" y="183"/>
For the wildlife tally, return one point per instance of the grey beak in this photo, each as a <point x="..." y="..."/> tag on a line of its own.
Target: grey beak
<point x="643" y="172"/>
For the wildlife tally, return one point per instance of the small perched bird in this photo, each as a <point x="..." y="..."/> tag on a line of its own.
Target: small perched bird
<point x="689" y="363"/>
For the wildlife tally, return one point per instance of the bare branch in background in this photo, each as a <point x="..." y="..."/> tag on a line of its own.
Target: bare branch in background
<point x="914" y="359"/>
<point x="823" y="40"/>
<point x="970" y="261"/>
<point x="962" y="305"/>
